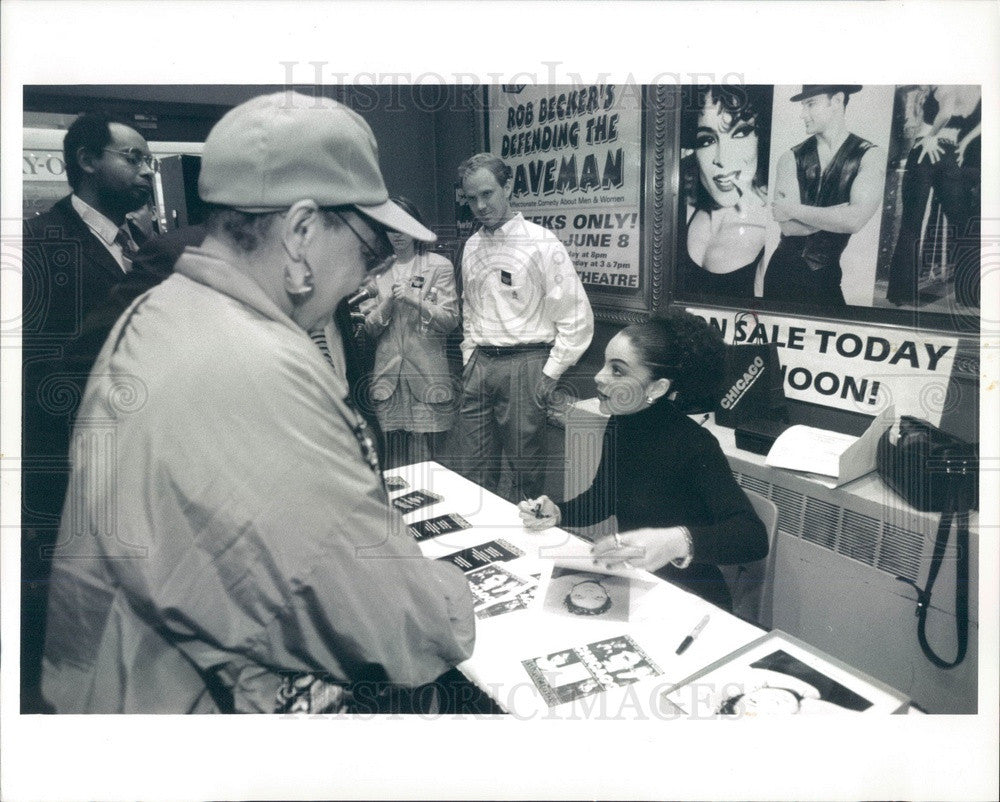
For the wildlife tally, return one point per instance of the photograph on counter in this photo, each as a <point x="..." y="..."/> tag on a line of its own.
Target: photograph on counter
<point x="485" y="553"/>
<point x="929" y="255"/>
<point x="828" y="155"/>
<point x="725" y="137"/>
<point x="520" y="601"/>
<point x="591" y="594"/>
<point x="438" y="525"/>
<point x="414" y="500"/>
<point x="780" y="675"/>
<point x="494" y="582"/>
<point x="585" y="670"/>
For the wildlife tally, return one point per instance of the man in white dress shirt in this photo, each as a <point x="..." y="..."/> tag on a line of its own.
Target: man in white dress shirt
<point x="526" y="320"/>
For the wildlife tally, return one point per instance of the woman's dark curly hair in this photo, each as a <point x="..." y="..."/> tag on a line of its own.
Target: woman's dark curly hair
<point x="741" y="104"/>
<point x="685" y="349"/>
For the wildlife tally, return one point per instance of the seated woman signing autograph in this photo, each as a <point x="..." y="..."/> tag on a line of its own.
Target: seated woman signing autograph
<point x="679" y="509"/>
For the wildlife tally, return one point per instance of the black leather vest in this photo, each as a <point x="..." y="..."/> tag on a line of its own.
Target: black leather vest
<point x="818" y="187"/>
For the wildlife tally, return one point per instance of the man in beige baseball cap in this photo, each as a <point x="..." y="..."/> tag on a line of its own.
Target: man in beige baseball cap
<point x="290" y="155"/>
<point x="252" y="562"/>
<point x="274" y="150"/>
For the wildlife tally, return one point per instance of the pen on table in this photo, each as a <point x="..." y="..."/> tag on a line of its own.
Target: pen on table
<point x="689" y="639"/>
<point x="704" y="420"/>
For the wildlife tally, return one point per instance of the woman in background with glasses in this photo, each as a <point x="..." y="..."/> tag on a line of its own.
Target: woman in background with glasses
<point x="411" y="385"/>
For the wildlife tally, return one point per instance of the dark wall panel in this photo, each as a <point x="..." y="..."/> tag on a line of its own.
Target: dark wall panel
<point x="404" y="119"/>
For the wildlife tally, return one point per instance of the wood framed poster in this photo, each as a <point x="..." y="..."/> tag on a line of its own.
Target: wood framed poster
<point x="589" y="164"/>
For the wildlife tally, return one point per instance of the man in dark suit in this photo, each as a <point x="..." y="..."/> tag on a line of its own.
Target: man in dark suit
<point x="73" y="255"/>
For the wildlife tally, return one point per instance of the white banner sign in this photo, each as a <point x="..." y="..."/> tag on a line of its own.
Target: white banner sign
<point x="848" y="366"/>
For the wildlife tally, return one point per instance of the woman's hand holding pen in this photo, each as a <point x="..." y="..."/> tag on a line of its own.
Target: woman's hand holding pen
<point x="649" y="549"/>
<point x="539" y="513"/>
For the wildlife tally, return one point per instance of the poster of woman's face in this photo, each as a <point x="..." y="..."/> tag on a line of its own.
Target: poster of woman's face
<point x="929" y="254"/>
<point x="725" y="142"/>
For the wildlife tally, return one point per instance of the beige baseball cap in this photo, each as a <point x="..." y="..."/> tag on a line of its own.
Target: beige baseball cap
<point x="275" y="150"/>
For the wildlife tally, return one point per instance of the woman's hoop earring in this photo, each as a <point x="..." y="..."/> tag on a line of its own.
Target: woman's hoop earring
<point x="299" y="293"/>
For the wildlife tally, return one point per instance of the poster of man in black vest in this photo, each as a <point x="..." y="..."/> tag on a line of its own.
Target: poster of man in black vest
<point x="826" y="189"/>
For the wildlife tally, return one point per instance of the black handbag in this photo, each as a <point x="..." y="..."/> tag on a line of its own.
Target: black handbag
<point x="926" y="465"/>
<point x="935" y="472"/>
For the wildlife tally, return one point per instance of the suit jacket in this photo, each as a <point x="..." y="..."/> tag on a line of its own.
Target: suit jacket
<point x="151" y="265"/>
<point x="68" y="275"/>
<point x="412" y="343"/>
<point x="68" y="272"/>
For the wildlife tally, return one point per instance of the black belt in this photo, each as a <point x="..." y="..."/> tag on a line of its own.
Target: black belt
<point x="511" y="350"/>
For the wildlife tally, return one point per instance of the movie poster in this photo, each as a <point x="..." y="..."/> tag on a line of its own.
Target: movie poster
<point x="930" y="251"/>
<point x="576" y="153"/>
<point x="723" y="211"/>
<point x="782" y="191"/>
<point x="823" y="236"/>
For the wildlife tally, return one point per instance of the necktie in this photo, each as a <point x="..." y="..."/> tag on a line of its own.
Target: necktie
<point x="124" y="241"/>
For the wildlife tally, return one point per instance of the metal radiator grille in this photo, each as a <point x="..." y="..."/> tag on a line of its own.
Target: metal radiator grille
<point x="821" y="523"/>
<point x="755" y="484"/>
<point x="859" y="536"/>
<point x="884" y="545"/>
<point x="900" y="552"/>
<point x="789" y="510"/>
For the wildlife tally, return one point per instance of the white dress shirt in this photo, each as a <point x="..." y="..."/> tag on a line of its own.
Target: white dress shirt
<point x="104" y="229"/>
<point x="519" y="286"/>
